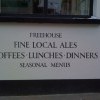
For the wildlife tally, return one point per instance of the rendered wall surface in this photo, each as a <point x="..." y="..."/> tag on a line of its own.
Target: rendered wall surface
<point x="75" y="54"/>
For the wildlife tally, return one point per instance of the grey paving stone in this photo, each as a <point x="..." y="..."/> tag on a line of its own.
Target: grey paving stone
<point x="92" y="96"/>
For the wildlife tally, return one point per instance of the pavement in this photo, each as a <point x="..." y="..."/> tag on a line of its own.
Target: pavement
<point x="87" y="96"/>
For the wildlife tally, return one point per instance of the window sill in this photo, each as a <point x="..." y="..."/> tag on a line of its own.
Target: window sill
<point x="49" y="20"/>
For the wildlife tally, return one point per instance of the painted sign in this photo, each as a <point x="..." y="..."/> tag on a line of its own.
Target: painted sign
<point x="47" y="51"/>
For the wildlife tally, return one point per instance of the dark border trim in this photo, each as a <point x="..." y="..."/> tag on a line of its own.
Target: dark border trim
<point x="49" y="19"/>
<point x="45" y="87"/>
<point x="91" y="7"/>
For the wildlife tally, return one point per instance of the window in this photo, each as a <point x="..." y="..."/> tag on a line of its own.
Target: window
<point x="46" y="8"/>
<point x="69" y="7"/>
<point x="53" y="7"/>
<point x="21" y="6"/>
